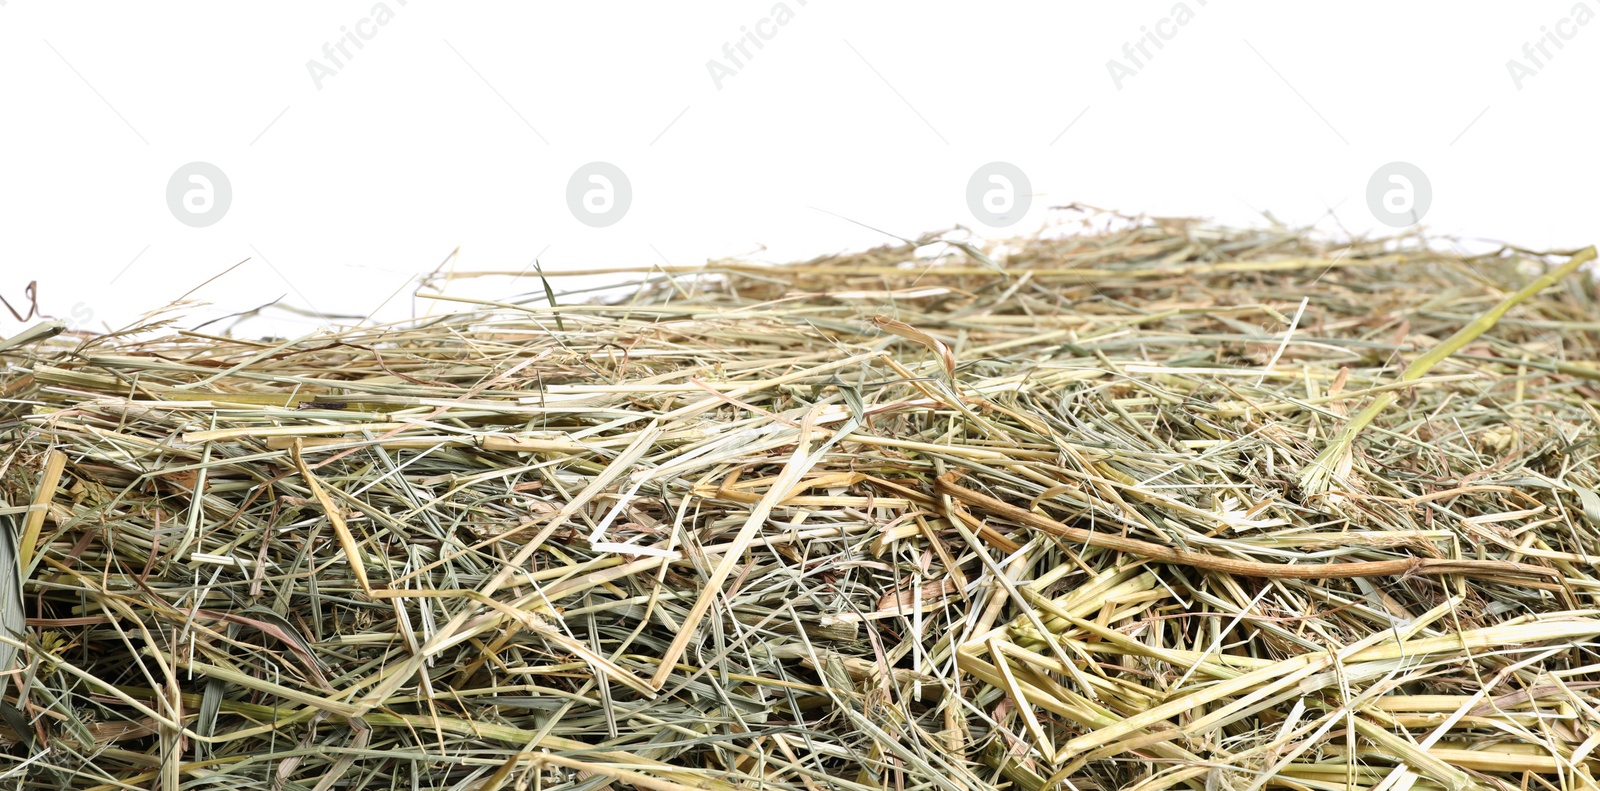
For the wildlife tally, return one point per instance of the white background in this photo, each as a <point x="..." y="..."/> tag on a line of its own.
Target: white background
<point x="458" y="126"/>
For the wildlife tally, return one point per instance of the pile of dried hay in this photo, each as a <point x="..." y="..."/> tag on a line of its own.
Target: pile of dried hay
<point x="1157" y="505"/>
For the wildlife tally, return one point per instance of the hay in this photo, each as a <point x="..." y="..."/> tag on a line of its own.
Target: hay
<point x="1161" y="505"/>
